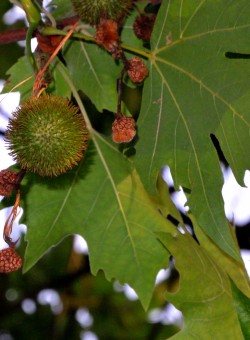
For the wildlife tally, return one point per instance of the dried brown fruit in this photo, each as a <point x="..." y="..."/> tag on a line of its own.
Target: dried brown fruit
<point x="10" y="261"/>
<point x="107" y="35"/>
<point x="48" y="43"/>
<point x="7" y="182"/>
<point x="123" y="129"/>
<point x="143" y="26"/>
<point x="137" y="70"/>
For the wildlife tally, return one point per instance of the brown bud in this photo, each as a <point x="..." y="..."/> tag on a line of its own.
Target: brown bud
<point x="123" y="129"/>
<point x="143" y="26"/>
<point x="107" y="35"/>
<point x="137" y="70"/>
<point x="48" y="43"/>
<point x="10" y="261"/>
<point x="7" y="182"/>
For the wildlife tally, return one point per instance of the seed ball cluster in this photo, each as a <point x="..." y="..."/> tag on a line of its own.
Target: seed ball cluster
<point x="90" y="11"/>
<point x="47" y="136"/>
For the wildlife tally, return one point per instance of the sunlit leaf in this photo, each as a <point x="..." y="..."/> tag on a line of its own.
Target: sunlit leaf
<point x="242" y="303"/>
<point x="104" y="201"/>
<point x="94" y="72"/>
<point x="204" y="294"/>
<point x="194" y="91"/>
<point x="235" y="269"/>
<point x="21" y="78"/>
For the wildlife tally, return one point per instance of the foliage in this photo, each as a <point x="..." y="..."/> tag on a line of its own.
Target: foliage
<point x="197" y="92"/>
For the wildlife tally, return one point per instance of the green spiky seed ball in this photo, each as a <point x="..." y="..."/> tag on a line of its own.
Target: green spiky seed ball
<point x="90" y="11"/>
<point x="47" y="136"/>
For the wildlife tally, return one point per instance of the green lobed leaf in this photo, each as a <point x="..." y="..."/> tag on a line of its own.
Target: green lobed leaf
<point x="20" y="78"/>
<point x="62" y="9"/>
<point x="204" y="294"/>
<point x="59" y="86"/>
<point x="94" y="72"/>
<point x="194" y="91"/>
<point x="235" y="269"/>
<point x="104" y="201"/>
<point x="242" y="303"/>
<point x="163" y="201"/>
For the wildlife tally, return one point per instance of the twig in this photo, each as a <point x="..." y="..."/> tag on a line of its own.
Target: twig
<point x="38" y="85"/>
<point x="9" y="222"/>
<point x="19" y="34"/>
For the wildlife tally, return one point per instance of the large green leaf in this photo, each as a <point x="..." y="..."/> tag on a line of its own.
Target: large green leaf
<point x="104" y="201"/>
<point x="235" y="269"/>
<point x="194" y="91"/>
<point x="62" y="9"/>
<point x="204" y="294"/>
<point x="242" y="303"/>
<point x="21" y="78"/>
<point x="94" y="72"/>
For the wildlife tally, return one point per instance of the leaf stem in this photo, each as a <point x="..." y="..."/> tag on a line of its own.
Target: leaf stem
<point x="56" y="31"/>
<point x="38" y="85"/>
<point x="30" y="55"/>
<point x="147" y="55"/>
<point x="76" y="96"/>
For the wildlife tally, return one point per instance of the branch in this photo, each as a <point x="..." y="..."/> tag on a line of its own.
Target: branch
<point x="14" y="35"/>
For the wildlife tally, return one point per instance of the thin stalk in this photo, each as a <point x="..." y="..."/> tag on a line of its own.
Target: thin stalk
<point x="30" y="55"/>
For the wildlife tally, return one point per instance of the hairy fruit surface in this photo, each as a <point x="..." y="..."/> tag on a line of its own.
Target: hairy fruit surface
<point x="137" y="70"/>
<point x="46" y="135"/>
<point x="90" y="11"/>
<point x="143" y="26"/>
<point x="10" y="261"/>
<point x="123" y="129"/>
<point x="107" y="35"/>
<point x="7" y="182"/>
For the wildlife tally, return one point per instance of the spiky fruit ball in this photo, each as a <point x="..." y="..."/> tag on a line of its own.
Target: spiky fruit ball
<point x="90" y="11"/>
<point x="47" y="135"/>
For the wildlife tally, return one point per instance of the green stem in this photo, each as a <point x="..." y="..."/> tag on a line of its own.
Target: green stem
<point x="55" y="31"/>
<point x="76" y="95"/>
<point x="47" y="13"/>
<point x="147" y="55"/>
<point x="30" y="55"/>
<point x="33" y="16"/>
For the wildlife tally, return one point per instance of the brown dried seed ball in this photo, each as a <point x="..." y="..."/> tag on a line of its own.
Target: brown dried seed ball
<point x="123" y="129"/>
<point x="107" y="35"/>
<point x="7" y="182"/>
<point x="10" y="261"/>
<point x="143" y="26"/>
<point x="137" y="70"/>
